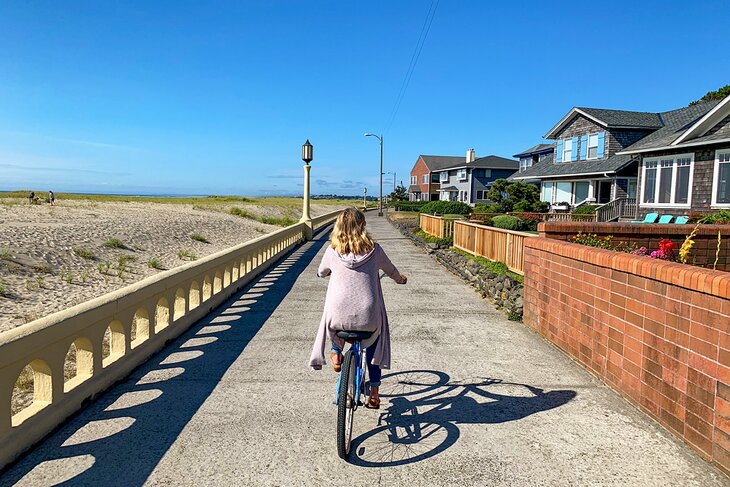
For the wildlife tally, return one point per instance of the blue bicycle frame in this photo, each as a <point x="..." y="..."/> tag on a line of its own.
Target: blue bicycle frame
<point x="359" y="353"/>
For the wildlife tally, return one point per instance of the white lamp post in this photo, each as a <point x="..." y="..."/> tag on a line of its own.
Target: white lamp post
<point x="307" y="156"/>
<point x="380" y="138"/>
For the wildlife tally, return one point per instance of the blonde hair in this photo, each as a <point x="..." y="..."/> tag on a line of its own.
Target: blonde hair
<point x="349" y="234"/>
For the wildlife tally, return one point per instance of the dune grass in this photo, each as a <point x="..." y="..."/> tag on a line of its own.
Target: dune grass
<point x="84" y="253"/>
<point x="199" y="238"/>
<point x="114" y="243"/>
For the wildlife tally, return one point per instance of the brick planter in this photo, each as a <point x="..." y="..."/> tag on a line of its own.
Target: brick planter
<point x="657" y="332"/>
<point x="644" y="235"/>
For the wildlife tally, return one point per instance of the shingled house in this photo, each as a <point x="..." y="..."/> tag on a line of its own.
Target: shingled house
<point x="685" y="164"/>
<point x="469" y="179"/>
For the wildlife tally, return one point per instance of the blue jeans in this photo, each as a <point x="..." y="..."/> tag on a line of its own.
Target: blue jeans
<point x="374" y="372"/>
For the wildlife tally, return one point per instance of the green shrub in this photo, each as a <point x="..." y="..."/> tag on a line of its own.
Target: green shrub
<point x="155" y="263"/>
<point x="185" y="254"/>
<point x="240" y="212"/>
<point x="114" y="243"/>
<point x="721" y="217"/>
<point x="508" y="222"/>
<point x="273" y="220"/>
<point x="446" y="207"/>
<point x="199" y="238"/>
<point x="83" y="253"/>
<point x="585" y="210"/>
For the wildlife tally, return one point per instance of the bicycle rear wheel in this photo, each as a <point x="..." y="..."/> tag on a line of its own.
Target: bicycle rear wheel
<point x="346" y="404"/>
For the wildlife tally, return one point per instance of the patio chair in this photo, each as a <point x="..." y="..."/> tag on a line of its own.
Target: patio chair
<point x="681" y="220"/>
<point x="664" y="219"/>
<point x="648" y="218"/>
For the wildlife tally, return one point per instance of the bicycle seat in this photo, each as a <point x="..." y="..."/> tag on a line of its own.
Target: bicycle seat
<point x="354" y="336"/>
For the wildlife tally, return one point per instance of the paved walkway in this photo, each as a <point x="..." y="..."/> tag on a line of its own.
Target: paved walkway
<point x="473" y="399"/>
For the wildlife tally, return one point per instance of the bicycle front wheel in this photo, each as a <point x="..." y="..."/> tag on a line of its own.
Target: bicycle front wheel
<point x="346" y="404"/>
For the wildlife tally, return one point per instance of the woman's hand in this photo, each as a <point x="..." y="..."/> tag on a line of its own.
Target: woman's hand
<point x="403" y="279"/>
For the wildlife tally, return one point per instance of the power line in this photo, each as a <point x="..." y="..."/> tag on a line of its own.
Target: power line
<point x="414" y="60"/>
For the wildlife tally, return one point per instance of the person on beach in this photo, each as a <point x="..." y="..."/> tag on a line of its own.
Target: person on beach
<point x="31" y="197"/>
<point x="354" y="300"/>
<point x="52" y="198"/>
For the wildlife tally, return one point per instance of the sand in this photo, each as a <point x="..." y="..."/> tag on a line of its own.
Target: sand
<point x="55" y="257"/>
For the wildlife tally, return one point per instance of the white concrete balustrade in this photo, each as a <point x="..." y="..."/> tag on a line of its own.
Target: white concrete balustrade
<point x="116" y="332"/>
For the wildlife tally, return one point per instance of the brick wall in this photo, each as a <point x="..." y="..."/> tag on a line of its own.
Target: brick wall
<point x="702" y="253"/>
<point x="419" y="170"/>
<point x="656" y="332"/>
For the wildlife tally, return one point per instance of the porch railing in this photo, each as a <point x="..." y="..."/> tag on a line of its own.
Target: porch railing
<point x="617" y="209"/>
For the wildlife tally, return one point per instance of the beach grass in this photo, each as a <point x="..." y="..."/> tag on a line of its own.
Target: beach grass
<point x="199" y="238"/>
<point x="84" y="253"/>
<point x="114" y="243"/>
<point x="155" y="263"/>
<point x="185" y="254"/>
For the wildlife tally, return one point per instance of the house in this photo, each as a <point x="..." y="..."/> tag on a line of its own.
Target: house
<point x="469" y="179"/>
<point x="685" y="165"/>
<point x="588" y="163"/>
<point x="533" y="155"/>
<point x="425" y="184"/>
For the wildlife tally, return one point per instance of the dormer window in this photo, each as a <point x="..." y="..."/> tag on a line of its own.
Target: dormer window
<point x="567" y="150"/>
<point x="593" y="146"/>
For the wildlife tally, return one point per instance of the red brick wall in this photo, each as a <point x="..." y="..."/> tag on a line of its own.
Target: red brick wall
<point x="419" y="169"/>
<point x="657" y="332"/>
<point x="702" y="254"/>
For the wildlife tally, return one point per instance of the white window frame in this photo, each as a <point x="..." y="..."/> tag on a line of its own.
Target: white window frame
<point x="567" y="149"/>
<point x="444" y="176"/>
<point x="525" y="163"/>
<point x="588" y="147"/>
<point x="657" y="185"/>
<point x="461" y="174"/>
<point x="424" y="179"/>
<point x="552" y="191"/>
<point x="716" y="178"/>
<point x="414" y="179"/>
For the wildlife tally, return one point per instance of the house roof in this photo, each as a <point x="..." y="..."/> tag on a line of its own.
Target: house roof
<point x="681" y="123"/>
<point x="547" y="160"/>
<point x="449" y="188"/>
<point x="436" y="163"/>
<point x="487" y="162"/>
<point x="547" y="169"/>
<point x="414" y="188"/>
<point x="535" y="149"/>
<point x="610" y="119"/>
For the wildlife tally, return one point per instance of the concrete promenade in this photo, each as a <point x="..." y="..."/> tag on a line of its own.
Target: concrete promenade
<point x="472" y="399"/>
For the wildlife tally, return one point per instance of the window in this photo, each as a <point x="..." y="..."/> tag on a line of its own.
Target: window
<point x="580" y="191"/>
<point x="424" y="179"/>
<point x="414" y="179"/>
<point x="667" y="181"/>
<point x="434" y="177"/>
<point x="461" y="174"/>
<point x="631" y="189"/>
<point x="542" y="157"/>
<point x="445" y="176"/>
<point x="547" y="192"/>
<point x="721" y="179"/>
<point x="525" y="162"/>
<point x="563" y="192"/>
<point x="487" y="173"/>
<point x="593" y="146"/>
<point x="567" y="150"/>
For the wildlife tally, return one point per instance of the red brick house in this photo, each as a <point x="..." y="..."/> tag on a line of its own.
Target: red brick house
<point x="425" y="182"/>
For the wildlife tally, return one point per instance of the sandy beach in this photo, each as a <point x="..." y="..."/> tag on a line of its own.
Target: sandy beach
<point x="55" y="257"/>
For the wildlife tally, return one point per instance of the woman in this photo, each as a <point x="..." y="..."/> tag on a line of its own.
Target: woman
<point x="354" y="299"/>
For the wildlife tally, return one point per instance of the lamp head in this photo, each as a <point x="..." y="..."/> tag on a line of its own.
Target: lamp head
<point x="307" y="152"/>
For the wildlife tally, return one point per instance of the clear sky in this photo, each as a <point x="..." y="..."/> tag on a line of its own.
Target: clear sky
<point x="217" y="97"/>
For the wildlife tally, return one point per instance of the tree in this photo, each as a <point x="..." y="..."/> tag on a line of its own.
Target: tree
<point x="400" y="193"/>
<point x="519" y="196"/>
<point x="714" y="95"/>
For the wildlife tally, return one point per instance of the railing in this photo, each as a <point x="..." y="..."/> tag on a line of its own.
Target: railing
<point x="116" y="332"/>
<point x="616" y="209"/>
<point x="438" y="226"/>
<point x="495" y="244"/>
<point x="558" y="217"/>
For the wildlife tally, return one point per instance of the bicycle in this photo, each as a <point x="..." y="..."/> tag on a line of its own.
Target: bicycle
<point x="350" y="386"/>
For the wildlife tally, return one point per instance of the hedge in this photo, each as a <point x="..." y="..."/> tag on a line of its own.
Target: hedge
<point x="446" y="207"/>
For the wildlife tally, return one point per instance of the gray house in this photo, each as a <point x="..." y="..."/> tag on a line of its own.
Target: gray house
<point x="469" y="180"/>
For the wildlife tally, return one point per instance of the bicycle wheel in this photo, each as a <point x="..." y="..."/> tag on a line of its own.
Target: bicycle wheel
<point x="346" y="404"/>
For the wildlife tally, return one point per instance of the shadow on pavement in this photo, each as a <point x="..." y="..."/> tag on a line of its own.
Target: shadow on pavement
<point x="120" y="438"/>
<point x="426" y="409"/>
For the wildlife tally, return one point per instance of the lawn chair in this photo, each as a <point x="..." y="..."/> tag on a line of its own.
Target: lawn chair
<point x="648" y="218"/>
<point x="665" y="219"/>
<point x="681" y="220"/>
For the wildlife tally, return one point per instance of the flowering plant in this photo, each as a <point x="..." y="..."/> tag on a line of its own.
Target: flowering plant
<point x="640" y="251"/>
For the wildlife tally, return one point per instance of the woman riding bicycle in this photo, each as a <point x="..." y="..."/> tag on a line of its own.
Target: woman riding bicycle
<point x="354" y="299"/>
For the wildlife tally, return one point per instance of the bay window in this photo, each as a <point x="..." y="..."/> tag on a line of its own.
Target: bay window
<point x="667" y="180"/>
<point x="721" y="179"/>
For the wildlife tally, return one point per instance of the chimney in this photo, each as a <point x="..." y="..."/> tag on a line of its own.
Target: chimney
<point x="471" y="156"/>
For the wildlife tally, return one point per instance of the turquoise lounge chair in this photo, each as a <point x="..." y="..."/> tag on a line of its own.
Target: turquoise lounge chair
<point x="681" y="220"/>
<point x="664" y="219"/>
<point x="648" y="218"/>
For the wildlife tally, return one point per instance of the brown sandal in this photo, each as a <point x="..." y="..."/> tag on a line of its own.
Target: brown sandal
<point x="336" y="359"/>
<point x="373" y="403"/>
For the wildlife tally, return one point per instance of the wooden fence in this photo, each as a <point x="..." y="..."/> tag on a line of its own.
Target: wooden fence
<point x="506" y="246"/>
<point x="437" y="226"/>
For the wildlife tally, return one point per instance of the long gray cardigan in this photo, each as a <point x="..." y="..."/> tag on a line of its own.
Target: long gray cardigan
<point x="355" y="302"/>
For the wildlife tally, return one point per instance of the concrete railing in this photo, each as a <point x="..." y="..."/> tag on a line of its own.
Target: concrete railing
<point x="495" y="244"/>
<point x="116" y="332"/>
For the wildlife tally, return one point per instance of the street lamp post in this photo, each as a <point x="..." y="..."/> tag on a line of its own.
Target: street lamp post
<point x="393" y="173"/>
<point x="307" y="156"/>
<point x="380" y="138"/>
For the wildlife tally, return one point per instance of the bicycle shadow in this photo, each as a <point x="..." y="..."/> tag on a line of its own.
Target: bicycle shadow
<point x="425" y="409"/>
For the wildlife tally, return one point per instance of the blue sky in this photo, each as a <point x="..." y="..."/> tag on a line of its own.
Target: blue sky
<point x="217" y="97"/>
